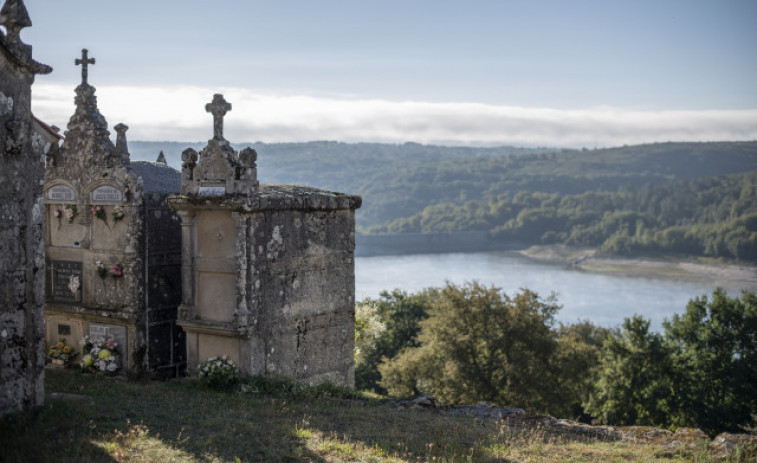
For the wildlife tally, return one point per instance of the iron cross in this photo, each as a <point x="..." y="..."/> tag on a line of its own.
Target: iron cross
<point x="84" y="61"/>
<point x="218" y="108"/>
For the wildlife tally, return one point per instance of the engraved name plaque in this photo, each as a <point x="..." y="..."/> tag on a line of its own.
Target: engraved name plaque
<point x="65" y="282"/>
<point x="107" y="194"/>
<point x="61" y="193"/>
<point x="211" y="191"/>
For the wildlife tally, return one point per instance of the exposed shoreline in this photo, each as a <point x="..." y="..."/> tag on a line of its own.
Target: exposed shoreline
<point x="732" y="275"/>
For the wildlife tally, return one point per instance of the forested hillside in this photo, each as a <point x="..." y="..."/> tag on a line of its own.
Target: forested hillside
<point x="712" y="216"/>
<point x="667" y="197"/>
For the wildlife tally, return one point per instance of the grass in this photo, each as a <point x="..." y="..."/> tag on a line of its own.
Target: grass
<point x="116" y="420"/>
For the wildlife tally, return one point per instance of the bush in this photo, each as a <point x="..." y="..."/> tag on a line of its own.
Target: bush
<point x="218" y="373"/>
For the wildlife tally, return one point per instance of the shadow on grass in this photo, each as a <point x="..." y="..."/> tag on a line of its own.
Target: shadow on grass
<point x="180" y="421"/>
<point x="49" y="433"/>
<point x="115" y="420"/>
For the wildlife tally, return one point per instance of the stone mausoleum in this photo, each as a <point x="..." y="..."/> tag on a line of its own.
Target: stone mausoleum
<point x="113" y="263"/>
<point x="268" y="274"/>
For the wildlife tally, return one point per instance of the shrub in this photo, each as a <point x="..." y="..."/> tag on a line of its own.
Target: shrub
<point x="218" y="373"/>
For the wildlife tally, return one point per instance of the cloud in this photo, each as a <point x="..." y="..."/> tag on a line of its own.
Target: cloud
<point x="178" y="113"/>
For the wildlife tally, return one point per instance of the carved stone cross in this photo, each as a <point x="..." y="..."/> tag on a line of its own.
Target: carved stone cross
<point x="84" y="61"/>
<point x="218" y="108"/>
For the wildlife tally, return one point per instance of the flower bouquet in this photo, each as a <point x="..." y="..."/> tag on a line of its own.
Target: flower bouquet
<point x="58" y="214"/>
<point x="116" y="271"/>
<point x="74" y="283"/>
<point x="61" y="353"/>
<point x="99" y="212"/>
<point x="117" y="214"/>
<point x="71" y="212"/>
<point x="100" y="356"/>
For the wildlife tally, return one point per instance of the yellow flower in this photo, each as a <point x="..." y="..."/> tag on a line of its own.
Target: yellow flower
<point x="87" y="360"/>
<point x="104" y="353"/>
<point x="67" y="349"/>
<point x="59" y="345"/>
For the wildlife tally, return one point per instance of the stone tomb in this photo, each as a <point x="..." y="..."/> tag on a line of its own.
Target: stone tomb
<point x="268" y="270"/>
<point x="113" y="263"/>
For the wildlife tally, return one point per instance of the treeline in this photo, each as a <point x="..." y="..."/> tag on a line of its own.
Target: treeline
<point x="704" y="217"/>
<point x="465" y="344"/>
<point x="401" y="180"/>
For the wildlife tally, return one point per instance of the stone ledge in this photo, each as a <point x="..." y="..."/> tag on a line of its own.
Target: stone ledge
<point x="275" y="197"/>
<point x="92" y="315"/>
<point x="214" y="328"/>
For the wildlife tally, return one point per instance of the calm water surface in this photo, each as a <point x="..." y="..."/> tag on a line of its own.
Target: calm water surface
<point x="603" y="299"/>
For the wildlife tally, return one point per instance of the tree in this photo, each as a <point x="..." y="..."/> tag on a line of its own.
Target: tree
<point x="579" y="348"/>
<point x="478" y="344"/>
<point x="635" y="385"/>
<point x="716" y="347"/>
<point x="384" y="327"/>
<point x="701" y="372"/>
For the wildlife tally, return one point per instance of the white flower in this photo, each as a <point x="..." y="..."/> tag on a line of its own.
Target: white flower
<point x="112" y="367"/>
<point x="74" y="284"/>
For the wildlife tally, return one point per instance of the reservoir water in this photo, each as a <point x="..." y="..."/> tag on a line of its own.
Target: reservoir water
<point x="604" y="299"/>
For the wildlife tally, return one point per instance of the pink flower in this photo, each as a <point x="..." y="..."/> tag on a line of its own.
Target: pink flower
<point x="116" y="270"/>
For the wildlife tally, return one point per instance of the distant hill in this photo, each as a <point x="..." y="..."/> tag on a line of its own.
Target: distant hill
<point x="398" y="181"/>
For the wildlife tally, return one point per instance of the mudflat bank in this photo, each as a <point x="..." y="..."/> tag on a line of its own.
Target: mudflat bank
<point x="727" y="274"/>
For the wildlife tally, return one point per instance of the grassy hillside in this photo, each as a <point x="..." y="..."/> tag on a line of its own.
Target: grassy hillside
<point x="100" y="419"/>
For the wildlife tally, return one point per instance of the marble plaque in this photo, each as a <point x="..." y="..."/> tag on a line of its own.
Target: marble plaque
<point x="62" y="193"/>
<point x="107" y="194"/>
<point x="211" y="191"/>
<point x="65" y="282"/>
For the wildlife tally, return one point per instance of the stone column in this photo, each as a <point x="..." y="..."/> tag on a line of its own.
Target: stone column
<point x="187" y="307"/>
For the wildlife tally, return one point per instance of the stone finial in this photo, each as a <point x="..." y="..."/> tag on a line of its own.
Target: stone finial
<point x="122" y="147"/>
<point x="247" y="157"/>
<point x="14" y="17"/>
<point x="84" y="61"/>
<point x="189" y="158"/>
<point x="188" y="164"/>
<point x="161" y="158"/>
<point x="218" y="108"/>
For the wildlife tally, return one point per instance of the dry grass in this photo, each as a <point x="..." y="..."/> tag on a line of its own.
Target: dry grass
<point x="176" y="421"/>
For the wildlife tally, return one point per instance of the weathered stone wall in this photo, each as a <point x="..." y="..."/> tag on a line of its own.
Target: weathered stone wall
<point x="302" y="292"/>
<point x="21" y="224"/>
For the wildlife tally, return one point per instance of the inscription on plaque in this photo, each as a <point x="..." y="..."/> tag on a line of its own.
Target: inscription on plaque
<point x="61" y="193"/>
<point x="65" y="282"/>
<point x="107" y="194"/>
<point x="211" y="191"/>
<point x="101" y="332"/>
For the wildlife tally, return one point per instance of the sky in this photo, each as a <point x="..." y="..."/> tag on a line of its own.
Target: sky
<point x="573" y="73"/>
